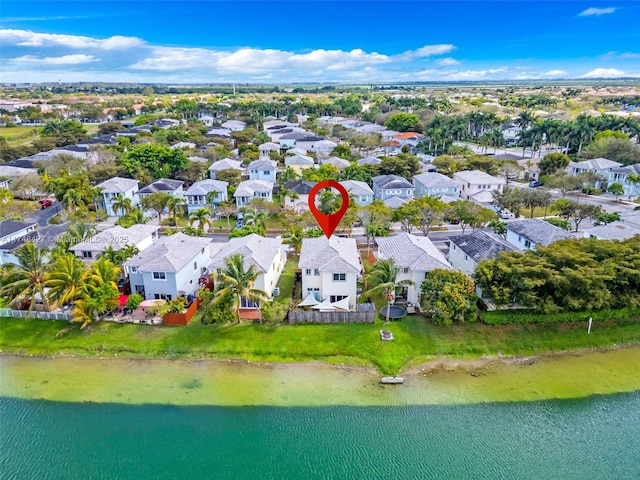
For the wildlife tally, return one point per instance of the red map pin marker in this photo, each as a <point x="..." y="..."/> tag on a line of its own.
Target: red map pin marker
<point x="328" y="223"/>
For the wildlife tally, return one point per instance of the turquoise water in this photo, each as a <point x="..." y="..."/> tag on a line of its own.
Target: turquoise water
<point x="590" y="438"/>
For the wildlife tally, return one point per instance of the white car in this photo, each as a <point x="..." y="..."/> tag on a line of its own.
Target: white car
<point x="505" y="214"/>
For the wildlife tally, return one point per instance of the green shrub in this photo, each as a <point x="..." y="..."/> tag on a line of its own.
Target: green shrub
<point x="134" y="301"/>
<point x="55" y="220"/>
<point x="522" y="317"/>
<point x="276" y="311"/>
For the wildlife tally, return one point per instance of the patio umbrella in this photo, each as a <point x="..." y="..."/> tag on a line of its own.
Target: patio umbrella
<point x="153" y="303"/>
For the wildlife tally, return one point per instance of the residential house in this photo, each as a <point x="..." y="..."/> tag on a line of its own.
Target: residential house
<point x="413" y="258"/>
<point x="330" y="268"/>
<point x="466" y="251"/>
<point x="225" y="164"/>
<point x="268" y="147"/>
<point x="477" y="186"/>
<point x="169" y="268"/>
<point x="388" y="186"/>
<point x="312" y="143"/>
<point x="526" y="234"/>
<point x="286" y="137"/>
<point x="599" y="166"/>
<point x="612" y="231"/>
<point x="299" y="162"/>
<point x="249" y="189"/>
<point x="217" y="132"/>
<point x="163" y="185"/>
<point x="204" y="193"/>
<point x="183" y="145"/>
<point x="118" y="238"/>
<point x="234" y="125"/>
<point x="410" y="139"/>
<point x="267" y="255"/>
<point x="433" y="184"/>
<point x="392" y="148"/>
<point x="337" y="162"/>
<point x="369" y="161"/>
<point x="195" y="158"/>
<point x="360" y="191"/>
<point x="4" y="183"/>
<point x="12" y="234"/>
<point x="511" y="134"/>
<point x="298" y="199"/>
<point x="263" y="169"/>
<point x="621" y="175"/>
<point x="111" y="189"/>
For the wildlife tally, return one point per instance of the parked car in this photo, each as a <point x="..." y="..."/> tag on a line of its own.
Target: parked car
<point x="535" y="183"/>
<point x="45" y="202"/>
<point x="505" y="214"/>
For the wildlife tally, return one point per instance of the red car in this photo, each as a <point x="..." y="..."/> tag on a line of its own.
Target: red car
<point x="45" y="202"/>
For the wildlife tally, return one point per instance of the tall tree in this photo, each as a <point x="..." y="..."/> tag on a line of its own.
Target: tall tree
<point x="383" y="277"/>
<point x="449" y="296"/>
<point x="157" y="202"/>
<point x="67" y="279"/>
<point x="28" y="279"/>
<point x="234" y="281"/>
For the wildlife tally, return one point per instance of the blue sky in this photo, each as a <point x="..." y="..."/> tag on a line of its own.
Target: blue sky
<point x="316" y="41"/>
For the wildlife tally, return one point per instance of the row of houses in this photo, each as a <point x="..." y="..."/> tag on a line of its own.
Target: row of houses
<point x="609" y="172"/>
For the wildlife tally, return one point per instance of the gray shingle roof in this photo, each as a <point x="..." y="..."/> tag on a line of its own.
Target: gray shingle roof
<point x="246" y="188"/>
<point x="391" y="181"/>
<point x="435" y="180"/>
<point x="118" y="185"/>
<point x="334" y="254"/>
<point x="162" y="185"/>
<point x="480" y="245"/>
<point x="263" y="164"/>
<point x="633" y="169"/>
<point x="395" y="202"/>
<point x="356" y="187"/>
<point x="9" y="227"/>
<point x="226" y="164"/>
<point x="477" y="177"/>
<point x="369" y="161"/>
<point x="596" y="164"/>
<point x="116" y="237"/>
<point x="413" y="252"/>
<point x="205" y="186"/>
<point x="255" y="250"/>
<point x="169" y="254"/>
<point x="298" y="160"/>
<point x="301" y="187"/>
<point x="613" y="231"/>
<point x="538" y="232"/>
<point x="336" y="162"/>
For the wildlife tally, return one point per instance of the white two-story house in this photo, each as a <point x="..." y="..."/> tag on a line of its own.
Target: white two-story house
<point x="267" y="255"/>
<point x="621" y="175"/>
<point x="599" y="166"/>
<point x="263" y="169"/>
<point x="477" y="186"/>
<point x="413" y="257"/>
<point x="249" y="189"/>
<point x="10" y="231"/>
<point x="163" y="185"/>
<point x="268" y="147"/>
<point x="330" y="268"/>
<point x="114" y="187"/>
<point x="170" y="268"/>
<point x="204" y="193"/>
<point x="118" y="238"/>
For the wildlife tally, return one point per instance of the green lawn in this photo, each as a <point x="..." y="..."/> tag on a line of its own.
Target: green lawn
<point x="416" y="340"/>
<point x="20" y="135"/>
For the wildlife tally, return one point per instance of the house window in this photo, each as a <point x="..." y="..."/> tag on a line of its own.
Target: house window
<point x="161" y="296"/>
<point x="87" y="255"/>
<point x="133" y="269"/>
<point x="527" y="243"/>
<point x="454" y="247"/>
<point x="466" y="258"/>
<point x="315" y="291"/>
<point x="316" y="272"/>
<point x="159" y="276"/>
<point x="195" y="266"/>
<point x="337" y="298"/>
<point x="265" y="172"/>
<point x="307" y="272"/>
<point x="405" y="270"/>
<point x="246" y="303"/>
<point x="202" y="251"/>
<point x="339" y="277"/>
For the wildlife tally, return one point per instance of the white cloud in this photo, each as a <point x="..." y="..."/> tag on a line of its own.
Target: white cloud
<point x="554" y="73"/>
<point x="426" y="51"/>
<point x="75" y="59"/>
<point x="475" y="74"/>
<point x="604" y="73"/>
<point x="27" y="38"/>
<point x="619" y="55"/>
<point x="447" y="62"/>
<point x="596" y="11"/>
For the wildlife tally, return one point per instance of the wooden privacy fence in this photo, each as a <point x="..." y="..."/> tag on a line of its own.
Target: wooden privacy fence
<point x="313" y="316"/>
<point x="7" y="312"/>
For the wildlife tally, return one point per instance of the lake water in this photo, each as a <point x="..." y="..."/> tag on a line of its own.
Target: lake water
<point x="72" y="419"/>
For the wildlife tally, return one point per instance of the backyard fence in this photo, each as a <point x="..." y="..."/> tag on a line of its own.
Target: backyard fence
<point x="367" y="315"/>
<point x="7" y="312"/>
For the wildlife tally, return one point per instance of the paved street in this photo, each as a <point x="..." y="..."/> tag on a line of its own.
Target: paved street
<point x="42" y="216"/>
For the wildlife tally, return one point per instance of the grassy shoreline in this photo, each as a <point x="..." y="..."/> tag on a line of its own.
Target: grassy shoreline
<point x="416" y="341"/>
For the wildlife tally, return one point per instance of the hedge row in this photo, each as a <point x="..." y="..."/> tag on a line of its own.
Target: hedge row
<point x="521" y="317"/>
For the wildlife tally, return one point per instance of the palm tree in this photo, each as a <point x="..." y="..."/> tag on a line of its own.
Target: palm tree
<point x="72" y="199"/>
<point x="67" y="279"/>
<point x="101" y="292"/>
<point x="173" y="205"/>
<point x="254" y="217"/>
<point x="123" y="204"/>
<point x="202" y="218"/>
<point x="29" y="278"/>
<point x="383" y="275"/>
<point x="294" y="238"/>
<point x="236" y="282"/>
<point x="76" y="233"/>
